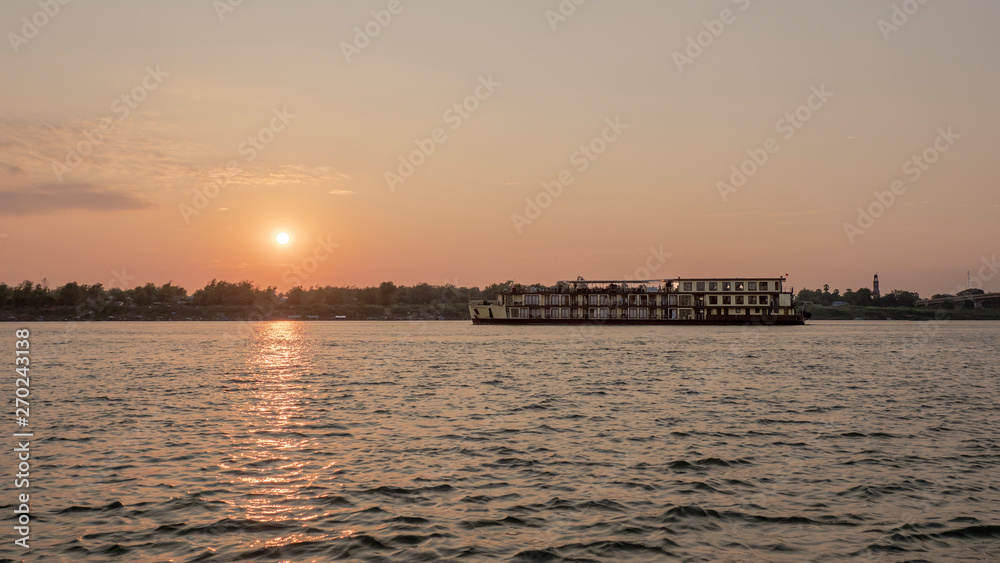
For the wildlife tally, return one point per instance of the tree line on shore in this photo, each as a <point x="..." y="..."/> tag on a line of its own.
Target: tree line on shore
<point x="242" y="300"/>
<point x="863" y="297"/>
<point x="245" y="300"/>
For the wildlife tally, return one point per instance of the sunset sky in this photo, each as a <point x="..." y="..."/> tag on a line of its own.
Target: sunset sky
<point x="224" y="125"/>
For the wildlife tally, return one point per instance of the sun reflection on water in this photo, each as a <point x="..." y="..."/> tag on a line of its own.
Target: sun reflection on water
<point x="267" y="462"/>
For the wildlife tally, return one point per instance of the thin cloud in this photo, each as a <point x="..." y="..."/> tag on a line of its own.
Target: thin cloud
<point x="139" y="153"/>
<point x="342" y="192"/>
<point x="801" y="213"/>
<point x="44" y="199"/>
<point x="741" y="214"/>
<point x="10" y="169"/>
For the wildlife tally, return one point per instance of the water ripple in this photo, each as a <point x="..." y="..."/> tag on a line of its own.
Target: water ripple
<point x="292" y="441"/>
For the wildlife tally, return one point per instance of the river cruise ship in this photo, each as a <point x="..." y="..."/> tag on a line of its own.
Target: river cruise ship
<point x="725" y="301"/>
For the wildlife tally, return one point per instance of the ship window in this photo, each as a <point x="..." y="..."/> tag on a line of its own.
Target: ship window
<point x="739" y="286"/>
<point x="763" y="300"/>
<point x="700" y="286"/>
<point x="727" y="300"/>
<point x="751" y="286"/>
<point x="713" y="286"/>
<point x="752" y="299"/>
<point x="756" y="311"/>
<point x="531" y="299"/>
<point x="713" y="300"/>
<point x="594" y="300"/>
<point x="671" y="300"/>
<point x="727" y="286"/>
<point x="739" y="299"/>
<point x="763" y="286"/>
<point x="687" y="286"/>
<point x="777" y="286"/>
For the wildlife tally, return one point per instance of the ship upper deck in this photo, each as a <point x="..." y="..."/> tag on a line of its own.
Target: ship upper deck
<point x="675" y="285"/>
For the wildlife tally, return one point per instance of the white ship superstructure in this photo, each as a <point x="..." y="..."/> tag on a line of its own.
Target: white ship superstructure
<point x="681" y="301"/>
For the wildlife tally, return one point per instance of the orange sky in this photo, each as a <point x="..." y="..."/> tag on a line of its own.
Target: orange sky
<point x="291" y="116"/>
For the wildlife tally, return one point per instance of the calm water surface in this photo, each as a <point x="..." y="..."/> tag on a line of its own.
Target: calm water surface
<point x="291" y="441"/>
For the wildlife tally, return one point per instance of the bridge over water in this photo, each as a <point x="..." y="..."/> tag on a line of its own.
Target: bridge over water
<point x="978" y="301"/>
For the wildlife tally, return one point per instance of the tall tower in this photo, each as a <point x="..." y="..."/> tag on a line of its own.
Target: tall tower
<point x="875" y="292"/>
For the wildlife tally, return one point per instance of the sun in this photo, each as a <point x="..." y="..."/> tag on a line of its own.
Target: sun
<point x="282" y="238"/>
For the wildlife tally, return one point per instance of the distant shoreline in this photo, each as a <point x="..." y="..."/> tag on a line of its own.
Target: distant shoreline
<point x="852" y="312"/>
<point x="814" y="319"/>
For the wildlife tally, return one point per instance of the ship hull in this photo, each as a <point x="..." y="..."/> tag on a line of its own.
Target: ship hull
<point x="785" y="320"/>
